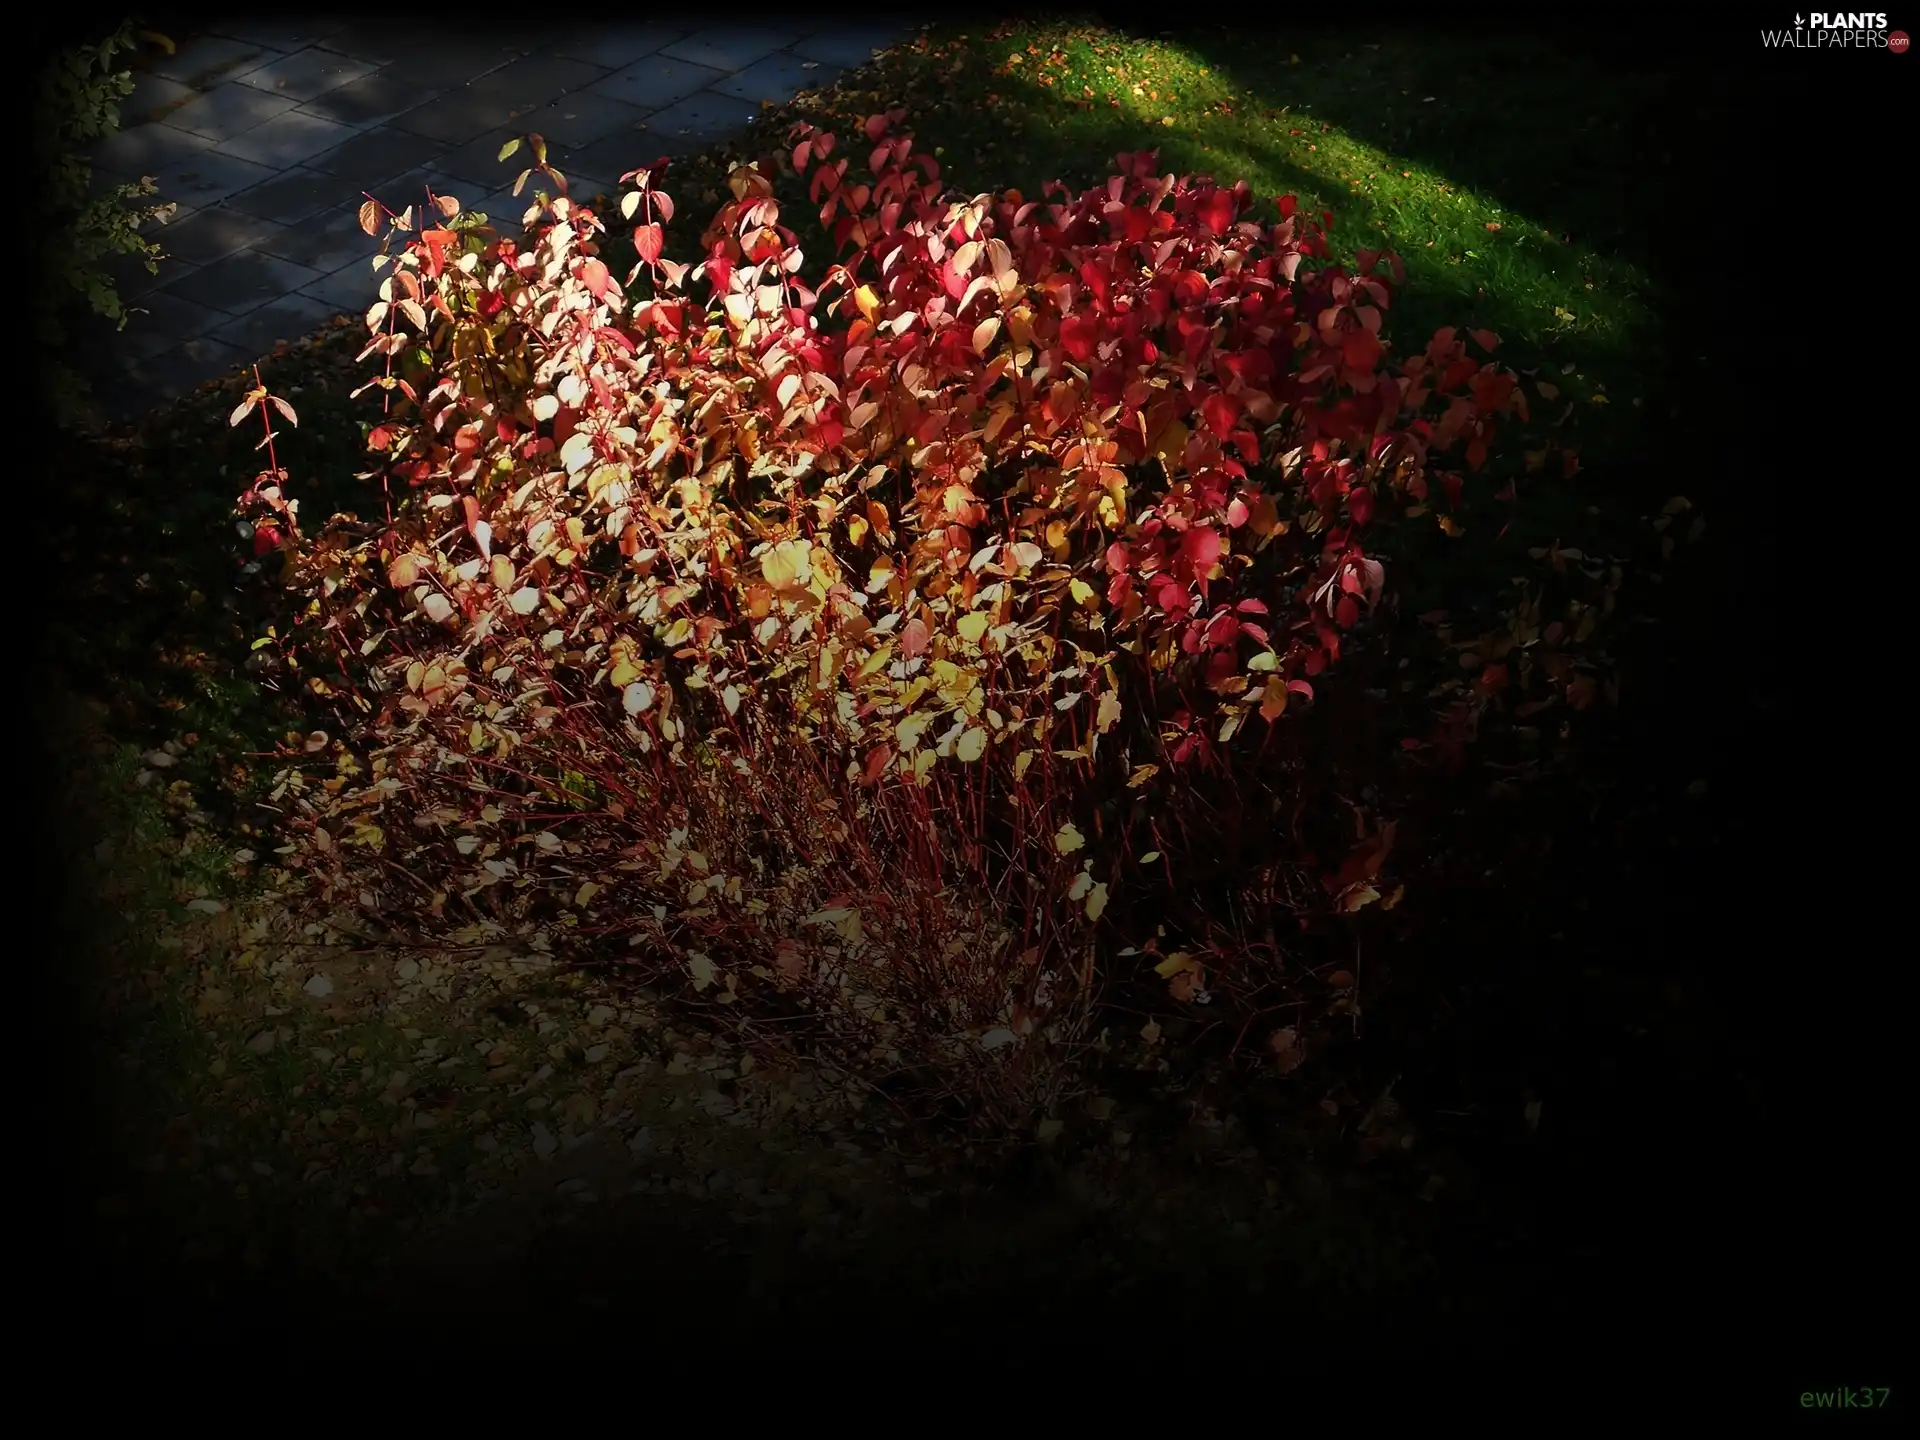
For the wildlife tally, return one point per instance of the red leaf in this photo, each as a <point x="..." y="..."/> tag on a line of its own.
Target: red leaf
<point x="1360" y="504"/>
<point x="1220" y="412"/>
<point x="1201" y="547"/>
<point x="914" y="638"/>
<point x="1485" y="339"/>
<point x="1077" y="336"/>
<point x="1347" y="612"/>
<point x="1216" y="211"/>
<point x="593" y="274"/>
<point x="1361" y="350"/>
<point x="437" y="242"/>
<point x="648" y="240"/>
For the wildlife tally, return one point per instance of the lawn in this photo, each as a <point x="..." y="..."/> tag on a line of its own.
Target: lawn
<point x="1530" y="188"/>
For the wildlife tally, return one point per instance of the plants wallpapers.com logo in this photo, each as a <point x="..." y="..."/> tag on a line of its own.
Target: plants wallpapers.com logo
<point x="1837" y="30"/>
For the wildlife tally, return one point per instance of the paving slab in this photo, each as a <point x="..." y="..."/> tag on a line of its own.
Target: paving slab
<point x="537" y="79"/>
<point x="778" y="78"/>
<point x="242" y="282"/>
<point x="453" y="63"/>
<point x="180" y="369"/>
<point x="265" y="134"/>
<point x="478" y="165"/>
<point x="378" y="154"/>
<point x="581" y="119"/>
<point x="411" y="188"/>
<point x="308" y="74"/>
<point x="166" y="320"/>
<point x="728" y="48"/>
<point x="371" y="100"/>
<point x="691" y="125"/>
<point x="285" y="34"/>
<point x="656" y="82"/>
<point x="204" y="62"/>
<point x="214" y="233"/>
<point x="228" y="110"/>
<point x="614" y="155"/>
<point x="133" y="282"/>
<point x="290" y="139"/>
<point x="144" y="149"/>
<point x="456" y="116"/>
<point x="154" y="97"/>
<point x="616" y="46"/>
<point x="297" y="194"/>
<point x="350" y="290"/>
<point x="286" y="318"/>
<point x="208" y="178"/>
<point x="324" y="243"/>
<point x="847" y="46"/>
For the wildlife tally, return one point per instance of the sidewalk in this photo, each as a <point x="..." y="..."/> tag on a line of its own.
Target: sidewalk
<point x="265" y="134"/>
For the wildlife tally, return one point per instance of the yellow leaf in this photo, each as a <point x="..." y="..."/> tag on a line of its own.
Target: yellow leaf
<point x="908" y="732"/>
<point x="588" y="889"/>
<point x="1109" y="712"/>
<point x="1358" y="898"/>
<point x="1083" y="593"/>
<point x="1068" y="839"/>
<point x="1173" y="965"/>
<point x="1141" y="775"/>
<point x="868" y="301"/>
<point x="1097" y="902"/>
<point x="1149" y="857"/>
<point x="971" y="745"/>
<point x="786" y="563"/>
<point x="972" y="627"/>
<point x="623" y="674"/>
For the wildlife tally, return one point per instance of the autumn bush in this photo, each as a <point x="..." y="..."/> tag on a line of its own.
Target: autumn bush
<point x="892" y="653"/>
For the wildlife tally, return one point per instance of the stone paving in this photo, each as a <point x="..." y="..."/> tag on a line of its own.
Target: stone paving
<point x="265" y="134"/>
